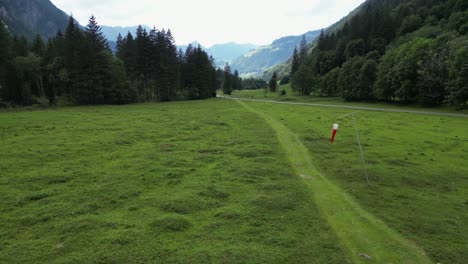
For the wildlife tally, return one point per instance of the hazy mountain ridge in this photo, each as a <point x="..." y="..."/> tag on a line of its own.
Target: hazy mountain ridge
<point x="257" y="61"/>
<point x="223" y="53"/>
<point x="111" y="32"/>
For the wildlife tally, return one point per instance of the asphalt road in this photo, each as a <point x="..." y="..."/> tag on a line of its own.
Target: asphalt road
<point x="349" y="107"/>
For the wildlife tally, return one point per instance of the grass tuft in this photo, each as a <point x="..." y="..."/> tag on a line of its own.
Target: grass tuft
<point x="171" y="223"/>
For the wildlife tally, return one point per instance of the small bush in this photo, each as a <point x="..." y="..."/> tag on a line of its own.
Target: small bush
<point x="4" y="104"/>
<point x="64" y="101"/>
<point x="42" y="102"/>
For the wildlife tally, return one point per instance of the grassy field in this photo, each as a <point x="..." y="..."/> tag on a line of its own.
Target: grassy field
<point x="292" y="97"/>
<point x="416" y="163"/>
<point x="215" y="181"/>
<point x="188" y="182"/>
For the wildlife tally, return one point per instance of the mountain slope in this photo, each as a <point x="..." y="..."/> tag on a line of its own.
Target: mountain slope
<point x="31" y="17"/>
<point x="283" y="68"/>
<point x="258" y="60"/>
<point x="230" y="51"/>
<point x="227" y="53"/>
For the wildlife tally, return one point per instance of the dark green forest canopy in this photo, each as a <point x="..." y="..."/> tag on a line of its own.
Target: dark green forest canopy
<point x="394" y="50"/>
<point x="77" y="67"/>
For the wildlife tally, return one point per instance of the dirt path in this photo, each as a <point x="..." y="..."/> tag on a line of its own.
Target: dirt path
<point x="349" y="107"/>
<point x="365" y="238"/>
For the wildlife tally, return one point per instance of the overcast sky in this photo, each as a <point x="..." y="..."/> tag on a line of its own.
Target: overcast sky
<point x="215" y="21"/>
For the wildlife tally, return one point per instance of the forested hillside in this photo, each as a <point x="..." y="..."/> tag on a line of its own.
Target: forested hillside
<point x="412" y="51"/>
<point x="77" y="67"/>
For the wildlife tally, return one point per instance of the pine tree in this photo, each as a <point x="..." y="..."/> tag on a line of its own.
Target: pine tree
<point x="237" y="82"/>
<point x="120" y="42"/>
<point x="94" y="71"/>
<point x="142" y="62"/>
<point x="127" y="52"/>
<point x="73" y="47"/>
<point x="273" y="84"/>
<point x="38" y="46"/>
<point x="95" y="36"/>
<point x="295" y="62"/>
<point x="227" y="84"/>
<point x="303" y="50"/>
<point x="20" y="46"/>
<point x="4" y="57"/>
<point x="321" y="42"/>
<point x="303" y="80"/>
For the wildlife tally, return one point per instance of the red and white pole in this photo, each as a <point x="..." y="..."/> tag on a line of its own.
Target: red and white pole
<point x="335" y="128"/>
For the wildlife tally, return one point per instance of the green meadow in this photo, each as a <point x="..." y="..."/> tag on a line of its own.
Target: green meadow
<point x="220" y="181"/>
<point x="416" y="166"/>
<point x="291" y="96"/>
<point x="186" y="182"/>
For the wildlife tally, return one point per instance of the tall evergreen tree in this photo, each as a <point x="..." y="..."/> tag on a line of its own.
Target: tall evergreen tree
<point x="4" y="57"/>
<point x="227" y="84"/>
<point x="38" y="46"/>
<point x="303" y="50"/>
<point x="95" y="35"/>
<point x="295" y="62"/>
<point x="74" y="46"/>
<point x="237" y="81"/>
<point x="273" y="84"/>
<point x="302" y="81"/>
<point x="94" y="74"/>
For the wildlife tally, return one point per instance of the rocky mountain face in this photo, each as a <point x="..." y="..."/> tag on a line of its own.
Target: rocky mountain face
<point x="31" y="17"/>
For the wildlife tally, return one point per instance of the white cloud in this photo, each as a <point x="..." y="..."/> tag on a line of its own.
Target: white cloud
<point x="215" y="21"/>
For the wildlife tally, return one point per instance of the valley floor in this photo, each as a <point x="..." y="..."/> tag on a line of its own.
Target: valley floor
<point x="212" y="181"/>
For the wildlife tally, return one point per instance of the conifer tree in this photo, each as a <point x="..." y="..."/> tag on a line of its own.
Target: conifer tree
<point x="119" y="42"/>
<point x="295" y="62"/>
<point x="4" y="57"/>
<point x="95" y="75"/>
<point x="237" y="81"/>
<point x="273" y="84"/>
<point x="74" y="45"/>
<point x="227" y="84"/>
<point x="38" y="46"/>
<point x="95" y="36"/>
<point x="303" y="50"/>
<point x="302" y="81"/>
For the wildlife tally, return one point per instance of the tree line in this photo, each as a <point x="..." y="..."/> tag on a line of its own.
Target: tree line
<point x="78" y="67"/>
<point x="397" y="51"/>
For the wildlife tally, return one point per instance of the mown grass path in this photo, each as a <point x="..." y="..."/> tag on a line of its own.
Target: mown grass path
<point x="360" y="233"/>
